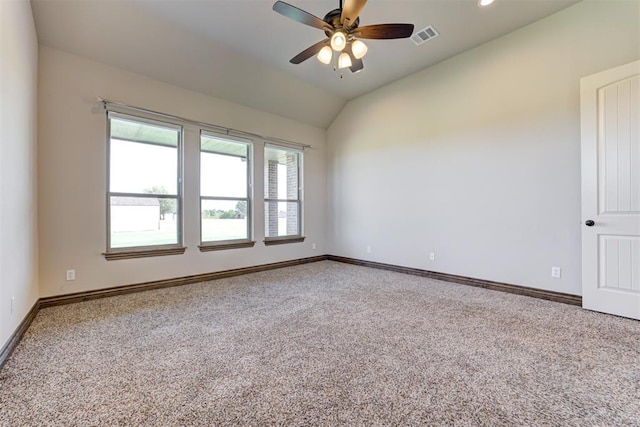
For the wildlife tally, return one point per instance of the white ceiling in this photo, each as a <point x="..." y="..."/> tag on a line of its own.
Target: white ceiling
<point x="239" y="50"/>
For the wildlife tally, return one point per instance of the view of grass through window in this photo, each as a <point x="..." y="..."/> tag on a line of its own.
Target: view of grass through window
<point x="224" y="204"/>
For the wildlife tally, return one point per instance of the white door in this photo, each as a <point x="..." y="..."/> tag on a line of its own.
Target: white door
<point x="610" y="117"/>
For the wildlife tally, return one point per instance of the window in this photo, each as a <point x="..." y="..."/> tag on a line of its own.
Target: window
<point x="225" y="204"/>
<point x="282" y="194"/>
<point x="144" y="184"/>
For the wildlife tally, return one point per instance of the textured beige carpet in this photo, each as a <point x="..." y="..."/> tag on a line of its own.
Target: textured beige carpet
<point x="323" y="344"/>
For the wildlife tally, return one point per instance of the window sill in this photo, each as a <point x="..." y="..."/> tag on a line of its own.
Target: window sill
<point x="224" y="245"/>
<point x="271" y="241"/>
<point x="143" y="253"/>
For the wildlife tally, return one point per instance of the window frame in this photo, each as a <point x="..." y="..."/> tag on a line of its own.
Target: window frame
<point x="146" y="250"/>
<point x="214" y="245"/>
<point x="292" y="238"/>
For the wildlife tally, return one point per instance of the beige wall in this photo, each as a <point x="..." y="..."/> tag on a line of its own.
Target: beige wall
<point x="72" y="170"/>
<point x="478" y="158"/>
<point x="18" y="107"/>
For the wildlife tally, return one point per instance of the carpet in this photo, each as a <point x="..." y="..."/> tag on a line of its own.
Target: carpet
<point x="323" y="344"/>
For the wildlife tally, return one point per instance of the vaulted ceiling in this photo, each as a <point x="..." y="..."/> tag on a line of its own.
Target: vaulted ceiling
<point x="239" y="50"/>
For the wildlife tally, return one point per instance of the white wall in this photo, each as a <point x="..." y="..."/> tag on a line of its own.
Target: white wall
<point x="478" y="157"/>
<point x="18" y="220"/>
<point x="72" y="176"/>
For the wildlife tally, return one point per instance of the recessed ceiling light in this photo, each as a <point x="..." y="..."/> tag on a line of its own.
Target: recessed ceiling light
<point x="482" y="3"/>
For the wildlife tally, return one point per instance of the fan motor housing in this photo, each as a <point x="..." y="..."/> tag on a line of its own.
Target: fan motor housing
<point x="333" y="18"/>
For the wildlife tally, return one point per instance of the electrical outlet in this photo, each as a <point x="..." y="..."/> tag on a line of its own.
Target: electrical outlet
<point x="432" y="256"/>
<point x="313" y="246"/>
<point x="556" y="272"/>
<point x="368" y="249"/>
<point x="71" y="275"/>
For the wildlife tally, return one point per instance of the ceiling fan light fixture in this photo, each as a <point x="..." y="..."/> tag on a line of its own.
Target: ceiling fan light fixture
<point x="344" y="60"/>
<point x="342" y="49"/>
<point x="325" y="55"/>
<point x="359" y="49"/>
<point x="338" y="41"/>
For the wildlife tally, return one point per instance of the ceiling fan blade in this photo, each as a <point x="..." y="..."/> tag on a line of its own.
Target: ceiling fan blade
<point x="300" y="15"/>
<point x="356" y="65"/>
<point x="384" y="31"/>
<point x="350" y="11"/>
<point x="309" y="52"/>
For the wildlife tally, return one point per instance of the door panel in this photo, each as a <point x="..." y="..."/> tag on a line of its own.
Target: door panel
<point x="610" y="121"/>
<point x="617" y="255"/>
<point x="618" y="147"/>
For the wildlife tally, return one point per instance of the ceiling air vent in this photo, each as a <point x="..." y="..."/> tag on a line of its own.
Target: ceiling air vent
<point x="425" y="34"/>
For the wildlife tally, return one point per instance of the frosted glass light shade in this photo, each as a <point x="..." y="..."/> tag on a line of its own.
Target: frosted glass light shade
<point x="359" y="49"/>
<point x="344" y="60"/>
<point x="484" y="2"/>
<point x="338" y="41"/>
<point x="325" y="55"/>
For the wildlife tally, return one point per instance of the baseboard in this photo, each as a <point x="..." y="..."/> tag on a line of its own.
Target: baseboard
<point x="167" y="283"/>
<point x="486" y="284"/>
<point x="15" y="338"/>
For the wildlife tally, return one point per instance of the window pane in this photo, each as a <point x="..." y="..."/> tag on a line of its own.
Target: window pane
<point x="223" y="175"/>
<point x="143" y="168"/>
<point x="224" y="220"/>
<point x="143" y="221"/>
<point x="281" y="174"/>
<point x="281" y="219"/>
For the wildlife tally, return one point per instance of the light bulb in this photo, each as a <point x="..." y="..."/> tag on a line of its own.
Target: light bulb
<point x="344" y="60"/>
<point x="359" y="49"/>
<point x="484" y="2"/>
<point x="325" y="55"/>
<point x="338" y="41"/>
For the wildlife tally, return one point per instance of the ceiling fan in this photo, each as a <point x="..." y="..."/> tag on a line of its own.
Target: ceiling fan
<point x="341" y="26"/>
